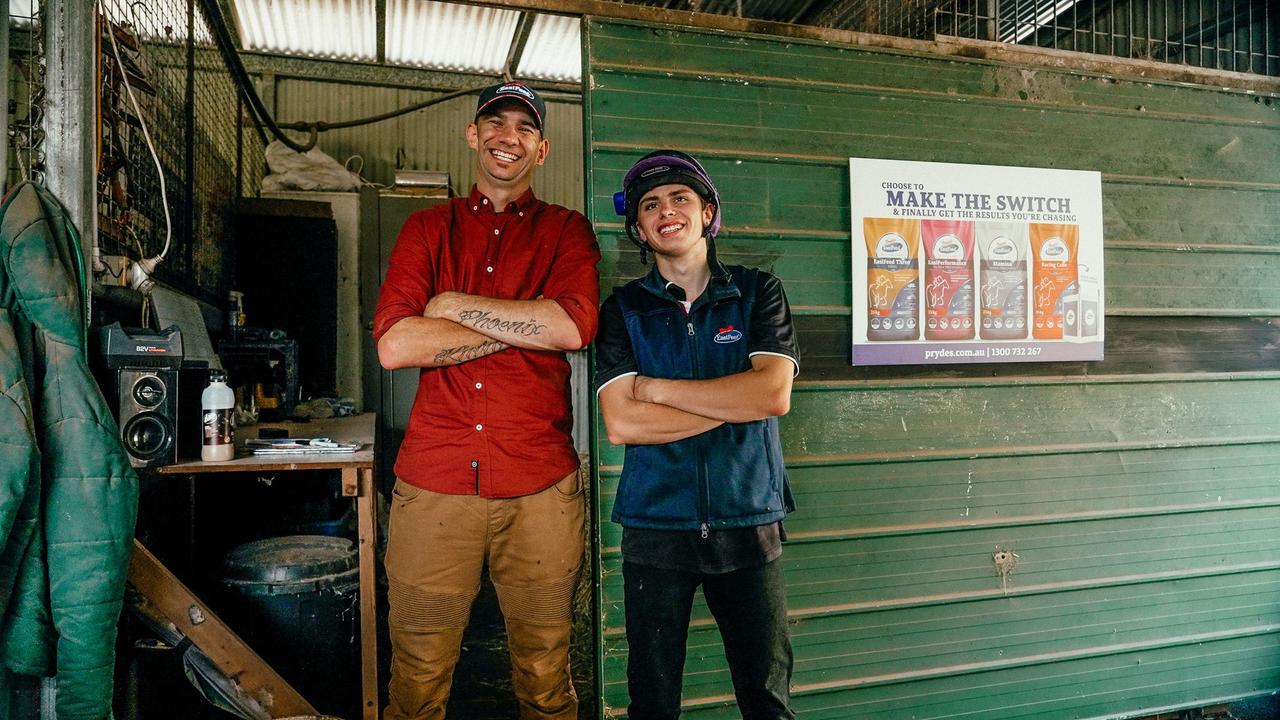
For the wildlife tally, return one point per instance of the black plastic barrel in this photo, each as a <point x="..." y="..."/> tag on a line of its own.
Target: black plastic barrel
<point x="295" y="603"/>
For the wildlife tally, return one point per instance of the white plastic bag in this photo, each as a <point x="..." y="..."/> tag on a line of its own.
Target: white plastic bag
<point x="312" y="170"/>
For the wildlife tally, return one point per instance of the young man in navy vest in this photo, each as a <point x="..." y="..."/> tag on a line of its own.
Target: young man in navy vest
<point x="694" y="364"/>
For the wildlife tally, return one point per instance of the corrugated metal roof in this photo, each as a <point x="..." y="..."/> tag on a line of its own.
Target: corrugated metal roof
<point x="334" y="29"/>
<point x="554" y="50"/>
<point x="419" y="33"/>
<point x="446" y="36"/>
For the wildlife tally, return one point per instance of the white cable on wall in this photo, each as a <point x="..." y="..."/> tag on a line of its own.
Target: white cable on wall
<point x="140" y="272"/>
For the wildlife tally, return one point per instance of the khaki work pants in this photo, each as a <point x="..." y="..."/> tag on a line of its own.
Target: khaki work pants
<point x="437" y="547"/>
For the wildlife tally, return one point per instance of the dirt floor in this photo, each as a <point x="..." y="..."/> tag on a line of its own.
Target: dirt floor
<point x="482" y="680"/>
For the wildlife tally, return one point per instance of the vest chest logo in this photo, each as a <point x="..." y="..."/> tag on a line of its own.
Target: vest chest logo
<point x="728" y="335"/>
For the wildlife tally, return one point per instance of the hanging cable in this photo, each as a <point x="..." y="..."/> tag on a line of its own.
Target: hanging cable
<point x="226" y="47"/>
<point x="140" y="272"/>
<point x="322" y="126"/>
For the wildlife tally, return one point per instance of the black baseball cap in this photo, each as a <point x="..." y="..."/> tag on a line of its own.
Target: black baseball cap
<point x="513" y="91"/>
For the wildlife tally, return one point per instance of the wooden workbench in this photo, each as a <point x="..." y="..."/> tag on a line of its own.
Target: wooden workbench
<point x="357" y="483"/>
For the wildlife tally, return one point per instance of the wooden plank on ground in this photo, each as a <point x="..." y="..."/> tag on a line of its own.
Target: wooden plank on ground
<point x="166" y="594"/>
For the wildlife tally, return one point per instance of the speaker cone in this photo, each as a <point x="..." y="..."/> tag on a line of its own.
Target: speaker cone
<point x="147" y="435"/>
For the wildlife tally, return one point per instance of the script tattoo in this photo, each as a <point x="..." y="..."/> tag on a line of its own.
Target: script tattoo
<point x="484" y="320"/>
<point x="468" y="352"/>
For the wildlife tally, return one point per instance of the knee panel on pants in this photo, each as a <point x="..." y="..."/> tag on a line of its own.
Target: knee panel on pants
<point x="412" y="608"/>
<point x="550" y="603"/>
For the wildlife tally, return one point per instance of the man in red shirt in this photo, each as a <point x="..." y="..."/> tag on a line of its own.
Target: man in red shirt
<point x="486" y="293"/>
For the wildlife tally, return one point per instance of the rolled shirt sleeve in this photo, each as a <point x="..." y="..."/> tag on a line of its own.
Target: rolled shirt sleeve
<point x="410" y="276"/>
<point x="574" y="284"/>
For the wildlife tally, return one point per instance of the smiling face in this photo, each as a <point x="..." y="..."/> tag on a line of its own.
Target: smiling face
<point x="671" y="218"/>
<point x="508" y="148"/>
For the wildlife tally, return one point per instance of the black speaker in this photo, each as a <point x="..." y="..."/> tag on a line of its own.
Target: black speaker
<point x="147" y="411"/>
<point x="143" y="366"/>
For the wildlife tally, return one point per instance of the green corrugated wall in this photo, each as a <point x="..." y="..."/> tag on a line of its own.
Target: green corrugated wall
<point x="1139" y="496"/>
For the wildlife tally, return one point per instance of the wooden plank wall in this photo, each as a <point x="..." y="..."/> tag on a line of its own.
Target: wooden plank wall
<point x="1139" y="496"/>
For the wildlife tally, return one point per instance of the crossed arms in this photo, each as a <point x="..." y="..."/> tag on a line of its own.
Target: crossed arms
<point x="457" y="327"/>
<point x="640" y="410"/>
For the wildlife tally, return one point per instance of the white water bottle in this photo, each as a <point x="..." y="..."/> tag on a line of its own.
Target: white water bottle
<point x="216" y="404"/>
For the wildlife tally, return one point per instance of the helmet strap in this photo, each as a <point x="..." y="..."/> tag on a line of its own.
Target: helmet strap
<point x="635" y="240"/>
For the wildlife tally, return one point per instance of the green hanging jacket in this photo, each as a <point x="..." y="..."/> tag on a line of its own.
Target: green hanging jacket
<point x="68" y="497"/>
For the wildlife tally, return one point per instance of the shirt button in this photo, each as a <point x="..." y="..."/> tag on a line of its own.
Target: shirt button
<point x="489" y="269"/>
<point x="485" y="200"/>
<point x="495" y="231"/>
<point x="521" y="213"/>
<point x="479" y="427"/>
<point x="475" y="207"/>
<point x="478" y="386"/>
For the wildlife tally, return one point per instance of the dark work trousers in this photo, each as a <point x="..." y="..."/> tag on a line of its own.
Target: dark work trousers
<point x="750" y="608"/>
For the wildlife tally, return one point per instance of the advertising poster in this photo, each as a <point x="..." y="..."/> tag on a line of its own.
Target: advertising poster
<point x="974" y="263"/>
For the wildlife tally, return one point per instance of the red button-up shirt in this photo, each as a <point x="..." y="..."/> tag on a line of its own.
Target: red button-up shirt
<point x="498" y="426"/>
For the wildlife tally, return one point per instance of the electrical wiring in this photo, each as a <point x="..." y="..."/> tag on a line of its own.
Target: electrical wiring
<point x="107" y="269"/>
<point x="315" y="126"/>
<point x="141" y="280"/>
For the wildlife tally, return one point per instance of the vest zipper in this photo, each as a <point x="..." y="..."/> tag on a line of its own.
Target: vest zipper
<point x="704" y="501"/>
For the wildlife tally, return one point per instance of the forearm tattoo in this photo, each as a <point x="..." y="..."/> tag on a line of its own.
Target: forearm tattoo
<point x="484" y="320"/>
<point x="464" y="353"/>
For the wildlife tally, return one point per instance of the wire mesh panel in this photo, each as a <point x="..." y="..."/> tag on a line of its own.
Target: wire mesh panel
<point x="1235" y="35"/>
<point x="162" y="77"/>
<point x="26" y="92"/>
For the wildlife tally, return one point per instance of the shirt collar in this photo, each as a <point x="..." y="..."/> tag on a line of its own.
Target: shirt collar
<point x="524" y="203"/>
<point x="720" y="287"/>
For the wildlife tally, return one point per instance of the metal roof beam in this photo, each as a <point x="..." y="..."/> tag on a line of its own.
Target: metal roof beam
<point x="380" y="25"/>
<point x="370" y="74"/>
<point x="232" y="21"/>
<point x="518" y="43"/>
